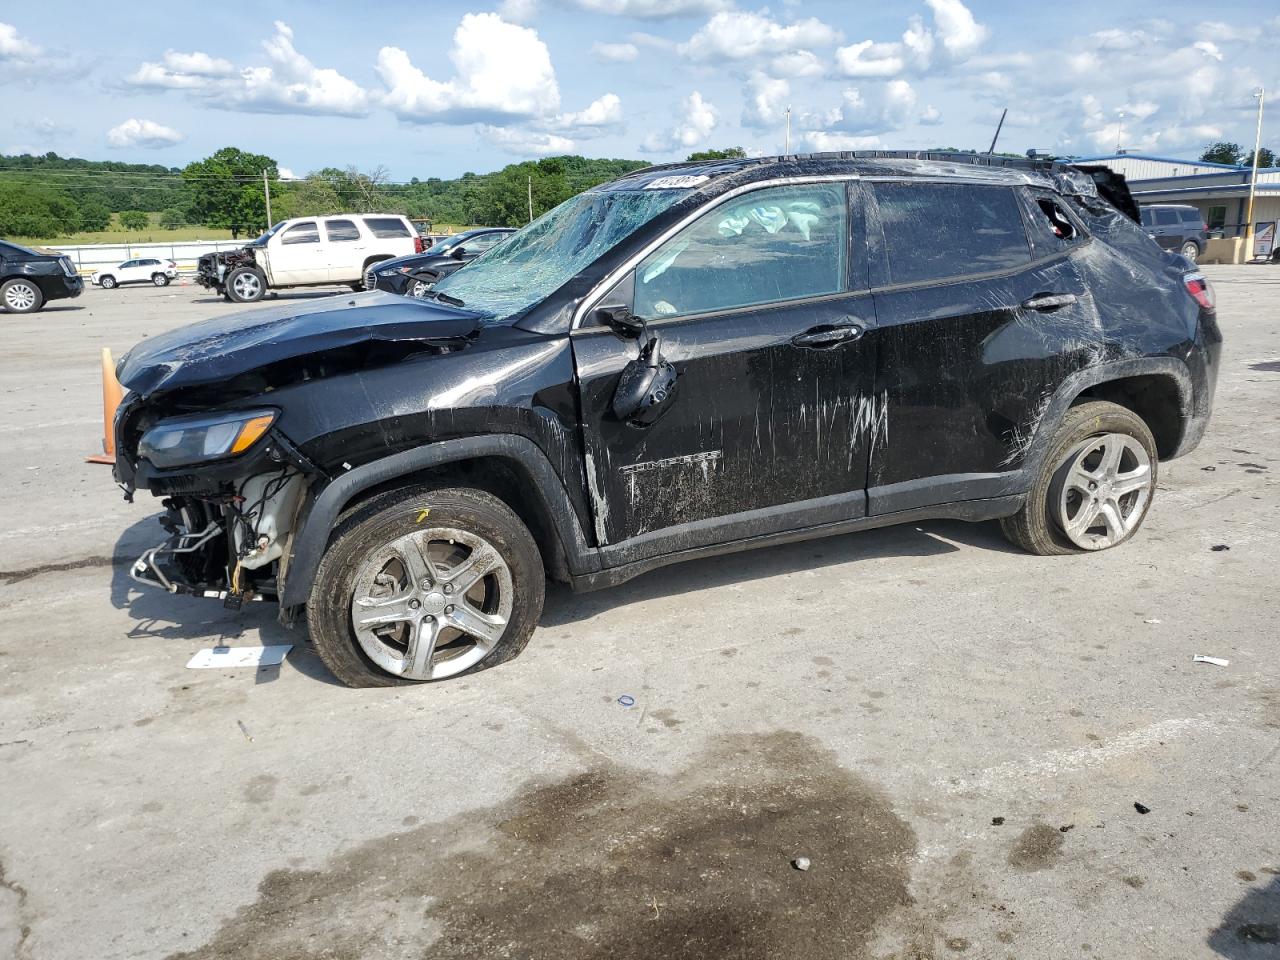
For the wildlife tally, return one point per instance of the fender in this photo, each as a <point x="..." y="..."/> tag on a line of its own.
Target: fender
<point x="310" y="542"/>
<point x="1082" y="380"/>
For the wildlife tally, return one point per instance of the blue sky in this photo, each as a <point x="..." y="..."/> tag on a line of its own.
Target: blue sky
<point x="436" y="89"/>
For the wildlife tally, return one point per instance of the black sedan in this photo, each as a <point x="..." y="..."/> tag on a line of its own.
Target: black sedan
<point x="414" y="274"/>
<point x="30" y="278"/>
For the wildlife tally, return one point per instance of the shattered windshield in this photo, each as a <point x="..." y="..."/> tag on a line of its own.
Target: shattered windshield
<point x="539" y="259"/>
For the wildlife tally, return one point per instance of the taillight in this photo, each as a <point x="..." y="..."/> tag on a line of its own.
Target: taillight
<point x="418" y="246"/>
<point x="1200" y="288"/>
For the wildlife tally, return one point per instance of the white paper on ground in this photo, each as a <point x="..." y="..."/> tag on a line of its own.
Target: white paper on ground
<point x="1216" y="661"/>
<point x="240" y="657"/>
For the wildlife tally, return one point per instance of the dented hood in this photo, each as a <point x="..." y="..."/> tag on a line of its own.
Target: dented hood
<point x="217" y="349"/>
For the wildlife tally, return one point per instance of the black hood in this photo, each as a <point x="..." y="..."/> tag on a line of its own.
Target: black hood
<point x="218" y="349"/>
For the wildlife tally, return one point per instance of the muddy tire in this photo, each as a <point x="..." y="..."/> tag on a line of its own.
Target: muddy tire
<point x="425" y="584"/>
<point x="246" y="285"/>
<point x="1095" y="485"/>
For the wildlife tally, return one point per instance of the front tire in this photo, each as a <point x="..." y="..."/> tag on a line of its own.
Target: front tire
<point x="246" y="285"/>
<point x="1095" y="485"/>
<point x="20" y="296"/>
<point x="423" y="584"/>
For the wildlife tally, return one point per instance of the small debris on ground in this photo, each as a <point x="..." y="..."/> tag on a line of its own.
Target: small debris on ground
<point x="1153" y="620"/>
<point x="1219" y="547"/>
<point x="1069" y="826"/>
<point x="1216" y="661"/>
<point x="1141" y="807"/>
<point x="221" y="658"/>
<point x="1209" y="469"/>
<point x="627" y="700"/>
<point x="800" y="863"/>
<point x="997" y="821"/>
<point x="244" y="730"/>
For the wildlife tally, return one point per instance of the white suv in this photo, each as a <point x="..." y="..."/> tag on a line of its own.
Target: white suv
<point x="143" y="270"/>
<point x="309" y="251"/>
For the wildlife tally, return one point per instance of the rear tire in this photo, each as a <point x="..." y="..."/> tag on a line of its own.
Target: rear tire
<point x="246" y="285"/>
<point x="159" y="279"/>
<point x="361" y="575"/>
<point x="20" y="296"/>
<point x="1191" y="251"/>
<point x="1040" y="527"/>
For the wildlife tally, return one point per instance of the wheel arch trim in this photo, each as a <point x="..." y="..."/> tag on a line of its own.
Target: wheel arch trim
<point x="311" y="540"/>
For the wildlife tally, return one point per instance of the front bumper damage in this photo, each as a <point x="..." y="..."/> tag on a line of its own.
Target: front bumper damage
<point x="158" y="567"/>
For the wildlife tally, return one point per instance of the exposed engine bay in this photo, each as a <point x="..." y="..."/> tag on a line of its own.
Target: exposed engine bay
<point x="212" y="269"/>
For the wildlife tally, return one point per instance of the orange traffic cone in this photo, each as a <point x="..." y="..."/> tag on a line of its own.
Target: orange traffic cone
<point x="112" y="394"/>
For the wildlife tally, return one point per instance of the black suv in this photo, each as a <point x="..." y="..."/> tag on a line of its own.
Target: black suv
<point x="1177" y="227"/>
<point x="689" y="360"/>
<point x="415" y="274"/>
<point x="30" y="278"/>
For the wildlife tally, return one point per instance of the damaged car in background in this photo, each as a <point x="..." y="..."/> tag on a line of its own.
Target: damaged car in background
<point x="417" y="273"/>
<point x="688" y="361"/>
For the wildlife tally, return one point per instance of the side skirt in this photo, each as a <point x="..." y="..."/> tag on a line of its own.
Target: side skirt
<point x="972" y="510"/>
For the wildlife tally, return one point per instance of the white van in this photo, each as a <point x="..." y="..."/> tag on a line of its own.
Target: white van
<point x="309" y="251"/>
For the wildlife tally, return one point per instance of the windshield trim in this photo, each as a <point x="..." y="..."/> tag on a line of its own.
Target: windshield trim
<point x="597" y="293"/>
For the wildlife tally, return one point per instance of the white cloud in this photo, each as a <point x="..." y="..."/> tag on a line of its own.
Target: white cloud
<point x="741" y="35"/>
<point x="693" y="128"/>
<point x="289" y="84"/>
<point x="15" y="47"/>
<point x="652" y="9"/>
<point x="526" y="142"/>
<point x="518" y="11"/>
<point x="286" y="173"/>
<point x="931" y="116"/>
<point x="822" y="141"/>
<point x="143" y="133"/>
<point x="615" y="52"/>
<point x="766" y="103"/>
<point x="960" y="33"/>
<point x="870" y="59"/>
<point x="605" y="112"/>
<point x="1208" y="48"/>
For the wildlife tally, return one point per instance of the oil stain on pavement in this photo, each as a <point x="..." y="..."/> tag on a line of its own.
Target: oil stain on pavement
<point x="611" y="862"/>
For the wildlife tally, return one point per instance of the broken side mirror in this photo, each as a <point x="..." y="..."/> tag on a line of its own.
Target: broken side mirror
<point x="646" y="386"/>
<point x="458" y="253"/>
<point x="619" y="318"/>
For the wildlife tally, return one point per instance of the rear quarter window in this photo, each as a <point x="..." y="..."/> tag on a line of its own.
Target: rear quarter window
<point x="935" y="231"/>
<point x="387" y="227"/>
<point x="1191" y="216"/>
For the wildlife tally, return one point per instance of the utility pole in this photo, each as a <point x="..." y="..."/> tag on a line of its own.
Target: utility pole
<point x="1253" y="178"/>
<point x="1119" y="131"/>
<point x="266" y="190"/>
<point x="531" y="198"/>
<point x="787" y="150"/>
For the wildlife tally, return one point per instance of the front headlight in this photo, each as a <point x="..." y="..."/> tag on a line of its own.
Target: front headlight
<point x="393" y="271"/>
<point x="186" y="440"/>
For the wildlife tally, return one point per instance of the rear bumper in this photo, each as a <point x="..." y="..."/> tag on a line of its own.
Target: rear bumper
<point x="1202" y="364"/>
<point x="62" y="288"/>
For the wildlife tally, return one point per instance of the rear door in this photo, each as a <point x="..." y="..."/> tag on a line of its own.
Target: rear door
<point x="973" y="322"/>
<point x="297" y="255"/>
<point x="762" y="312"/>
<point x="344" y="250"/>
<point x="1167" y="227"/>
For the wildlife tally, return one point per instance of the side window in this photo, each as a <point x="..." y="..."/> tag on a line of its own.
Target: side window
<point x="301" y="233"/>
<point x="1052" y="227"/>
<point x="483" y="242"/>
<point x="1166" y="218"/>
<point x="775" y="244"/>
<point x="934" y="231"/>
<point x="1217" y="218"/>
<point x="128" y="265"/>
<point x="1147" y="220"/>
<point x="341" y="231"/>
<point x="1191" y="216"/>
<point x="387" y="227"/>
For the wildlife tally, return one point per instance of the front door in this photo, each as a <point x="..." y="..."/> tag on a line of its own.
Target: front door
<point x="979" y="322"/>
<point x="763" y="312"/>
<point x="297" y="255"/>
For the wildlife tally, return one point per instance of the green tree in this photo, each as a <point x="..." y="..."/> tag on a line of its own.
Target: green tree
<point x="504" y="201"/>
<point x="312" y="197"/>
<point x="93" y="215"/>
<point x="220" y="186"/>
<point x="1265" y="159"/>
<point x="135" y="220"/>
<point x="173" y="217"/>
<point x="1222" y="152"/>
<point x="728" y="153"/>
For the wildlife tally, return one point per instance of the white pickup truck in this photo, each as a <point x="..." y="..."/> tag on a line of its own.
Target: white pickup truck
<point x="309" y="252"/>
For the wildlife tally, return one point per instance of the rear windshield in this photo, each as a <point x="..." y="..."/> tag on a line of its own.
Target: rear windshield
<point x="10" y="249"/>
<point x="534" y="262"/>
<point x="387" y="227"/>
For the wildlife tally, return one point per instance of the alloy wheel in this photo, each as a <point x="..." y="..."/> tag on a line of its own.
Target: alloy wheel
<point x="1190" y="251"/>
<point x="247" y="286"/>
<point x="20" y="297"/>
<point x="1100" y="492"/>
<point x="431" y="604"/>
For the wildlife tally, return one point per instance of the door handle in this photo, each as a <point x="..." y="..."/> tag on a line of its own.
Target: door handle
<point x="1049" y="301"/>
<point x="829" y="335"/>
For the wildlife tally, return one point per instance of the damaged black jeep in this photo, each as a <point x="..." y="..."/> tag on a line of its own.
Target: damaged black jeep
<point x="691" y="360"/>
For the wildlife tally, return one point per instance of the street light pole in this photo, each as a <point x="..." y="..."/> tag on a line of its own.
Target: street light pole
<point x="787" y="149"/>
<point x="1253" y="178"/>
